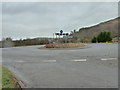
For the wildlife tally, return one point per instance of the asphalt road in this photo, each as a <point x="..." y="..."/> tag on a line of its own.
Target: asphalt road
<point x="95" y="67"/>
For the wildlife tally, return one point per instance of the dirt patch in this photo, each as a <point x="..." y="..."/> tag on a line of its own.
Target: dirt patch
<point x="17" y="83"/>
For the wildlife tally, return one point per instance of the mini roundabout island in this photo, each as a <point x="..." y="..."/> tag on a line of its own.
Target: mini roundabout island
<point x="61" y="46"/>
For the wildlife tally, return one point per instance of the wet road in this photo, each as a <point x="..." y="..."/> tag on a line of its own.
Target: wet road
<point x="95" y="67"/>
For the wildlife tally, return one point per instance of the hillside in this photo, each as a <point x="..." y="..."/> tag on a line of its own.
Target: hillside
<point x="86" y="34"/>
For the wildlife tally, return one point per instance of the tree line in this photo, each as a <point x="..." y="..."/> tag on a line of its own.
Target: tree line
<point x="8" y="42"/>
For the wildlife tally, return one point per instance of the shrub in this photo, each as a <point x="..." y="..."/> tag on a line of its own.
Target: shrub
<point x="102" y="37"/>
<point x="94" y="40"/>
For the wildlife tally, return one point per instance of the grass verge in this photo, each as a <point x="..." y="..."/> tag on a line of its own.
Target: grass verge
<point x="7" y="79"/>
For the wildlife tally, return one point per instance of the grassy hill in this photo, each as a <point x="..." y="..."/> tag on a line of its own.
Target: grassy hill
<point x="86" y="34"/>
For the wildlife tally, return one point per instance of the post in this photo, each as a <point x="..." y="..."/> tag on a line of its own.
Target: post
<point x="59" y="38"/>
<point x="56" y="36"/>
<point x="53" y="38"/>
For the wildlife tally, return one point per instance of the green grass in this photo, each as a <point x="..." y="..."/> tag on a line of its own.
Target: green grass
<point x="6" y="79"/>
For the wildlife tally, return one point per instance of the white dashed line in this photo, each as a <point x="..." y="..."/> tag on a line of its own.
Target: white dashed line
<point x="20" y="61"/>
<point x="80" y="60"/>
<point x="104" y="59"/>
<point x="49" y="60"/>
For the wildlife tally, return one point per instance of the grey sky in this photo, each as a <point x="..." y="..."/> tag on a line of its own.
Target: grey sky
<point x="27" y="20"/>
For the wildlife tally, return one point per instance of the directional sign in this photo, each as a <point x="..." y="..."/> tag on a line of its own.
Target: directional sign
<point x="57" y="34"/>
<point x="66" y="37"/>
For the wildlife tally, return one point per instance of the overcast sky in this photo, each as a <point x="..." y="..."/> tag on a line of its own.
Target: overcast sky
<point x="39" y="19"/>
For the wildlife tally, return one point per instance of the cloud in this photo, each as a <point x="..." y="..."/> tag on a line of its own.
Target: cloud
<point x="30" y="19"/>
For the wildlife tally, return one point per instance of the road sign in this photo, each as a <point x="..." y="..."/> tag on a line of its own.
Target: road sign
<point x="66" y="37"/>
<point x="61" y="31"/>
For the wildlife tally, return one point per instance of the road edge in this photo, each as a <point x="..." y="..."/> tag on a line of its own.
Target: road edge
<point x="18" y="82"/>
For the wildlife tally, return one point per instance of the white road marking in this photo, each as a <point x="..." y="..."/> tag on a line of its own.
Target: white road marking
<point x="49" y="60"/>
<point x="20" y="61"/>
<point x="104" y="59"/>
<point x="80" y="60"/>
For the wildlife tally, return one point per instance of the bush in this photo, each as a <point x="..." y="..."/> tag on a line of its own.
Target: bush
<point x="94" y="40"/>
<point x="102" y="37"/>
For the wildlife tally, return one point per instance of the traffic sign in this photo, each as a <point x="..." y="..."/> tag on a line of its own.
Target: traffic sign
<point x="61" y="31"/>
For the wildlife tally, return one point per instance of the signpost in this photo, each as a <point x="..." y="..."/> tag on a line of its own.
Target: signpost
<point x="61" y="33"/>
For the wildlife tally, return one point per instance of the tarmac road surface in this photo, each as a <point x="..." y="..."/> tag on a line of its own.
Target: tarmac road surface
<point x="95" y="67"/>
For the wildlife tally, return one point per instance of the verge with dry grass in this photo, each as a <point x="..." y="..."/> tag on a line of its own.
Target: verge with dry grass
<point x="65" y="45"/>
